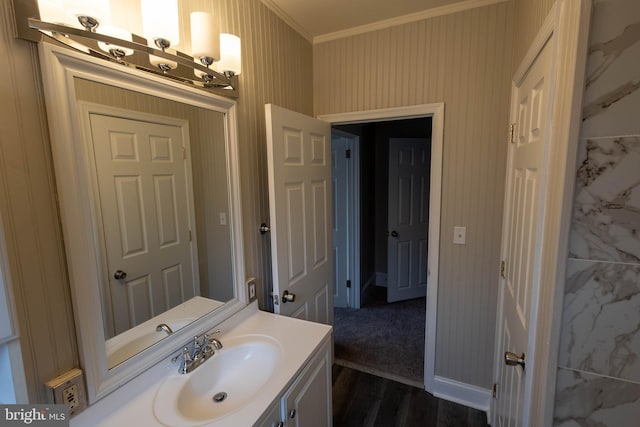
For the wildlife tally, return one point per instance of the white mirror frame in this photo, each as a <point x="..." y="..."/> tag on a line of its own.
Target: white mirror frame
<point x="60" y="66"/>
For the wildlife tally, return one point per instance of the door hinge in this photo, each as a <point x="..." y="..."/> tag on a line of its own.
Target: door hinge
<point x="348" y="153"/>
<point x="348" y="283"/>
<point x="503" y="269"/>
<point x="189" y="235"/>
<point x="512" y="131"/>
<point x="184" y="154"/>
<point x="494" y="390"/>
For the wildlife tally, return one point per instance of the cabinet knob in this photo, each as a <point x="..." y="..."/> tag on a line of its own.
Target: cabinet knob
<point x="292" y="413"/>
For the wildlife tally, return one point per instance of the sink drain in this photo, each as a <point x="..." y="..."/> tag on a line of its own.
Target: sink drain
<point x="219" y="397"/>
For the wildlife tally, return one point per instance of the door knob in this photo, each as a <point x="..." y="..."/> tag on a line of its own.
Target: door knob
<point x="394" y="233"/>
<point x="264" y="228"/>
<point x="512" y="359"/>
<point x="288" y="297"/>
<point x="120" y="275"/>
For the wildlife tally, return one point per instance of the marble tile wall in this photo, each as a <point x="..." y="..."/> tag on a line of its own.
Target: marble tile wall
<point x="599" y="360"/>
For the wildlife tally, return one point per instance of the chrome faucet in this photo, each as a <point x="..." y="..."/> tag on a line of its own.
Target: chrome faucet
<point x="203" y="348"/>
<point x="164" y="327"/>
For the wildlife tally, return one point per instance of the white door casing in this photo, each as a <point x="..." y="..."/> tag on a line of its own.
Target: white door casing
<point x="522" y="227"/>
<point x="408" y="218"/>
<point x="146" y="210"/>
<point x="342" y="204"/>
<point x="300" y="207"/>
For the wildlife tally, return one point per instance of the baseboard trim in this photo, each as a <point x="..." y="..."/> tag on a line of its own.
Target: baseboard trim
<point x="464" y="394"/>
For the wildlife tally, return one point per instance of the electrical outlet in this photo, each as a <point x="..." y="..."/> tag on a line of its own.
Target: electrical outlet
<point x="68" y="389"/>
<point x="70" y="397"/>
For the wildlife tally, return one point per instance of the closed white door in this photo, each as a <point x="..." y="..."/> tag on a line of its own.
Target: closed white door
<point x="522" y="227"/>
<point x="146" y="215"/>
<point x="340" y="160"/>
<point x="301" y="209"/>
<point x="408" y="218"/>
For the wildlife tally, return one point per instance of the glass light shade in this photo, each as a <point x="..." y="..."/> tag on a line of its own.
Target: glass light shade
<point x="160" y="20"/>
<point x="98" y="9"/>
<point x="112" y="31"/>
<point x="53" y="11"/>
<point x="205" y="35"/>
<point x="230" y="54"/>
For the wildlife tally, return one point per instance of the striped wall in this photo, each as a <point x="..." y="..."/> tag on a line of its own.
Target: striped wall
<point x="528" y="19"/>
<point x="463" y="60"/>
<point x="34" y="263"/>
<point x="277" y="68"/>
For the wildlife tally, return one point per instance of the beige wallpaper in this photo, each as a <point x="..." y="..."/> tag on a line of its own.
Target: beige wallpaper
<point x="463" y="60"/>
<point x="529" y="16"/>
<point x="277" y="68"/>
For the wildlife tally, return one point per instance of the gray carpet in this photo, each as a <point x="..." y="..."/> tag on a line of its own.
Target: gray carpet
<point x="381" y="337"/>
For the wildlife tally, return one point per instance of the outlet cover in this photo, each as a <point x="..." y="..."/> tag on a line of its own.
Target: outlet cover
<point x="68" y="389"/>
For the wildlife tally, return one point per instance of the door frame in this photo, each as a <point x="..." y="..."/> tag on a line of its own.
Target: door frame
<point x="568" y="21"/>
<point x="436" y="112"/>
<point x="352" y="217"/>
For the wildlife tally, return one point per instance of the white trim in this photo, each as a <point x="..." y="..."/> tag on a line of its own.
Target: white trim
<point x="59" y="68"/>
<point x="464" y="394"/>
<point x="436" y="112"/>
<point x="392" y="22"/>
<point x="568" y="22"/>
<point x="573" y="21"/>
<point x="353" y="216"/>
<point x="282" y="14"/>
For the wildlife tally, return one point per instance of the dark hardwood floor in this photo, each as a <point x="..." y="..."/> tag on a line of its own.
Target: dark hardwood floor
<point x="361" y="399"/>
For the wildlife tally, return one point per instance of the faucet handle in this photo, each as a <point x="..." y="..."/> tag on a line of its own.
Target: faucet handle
<point x="186" y="361"/>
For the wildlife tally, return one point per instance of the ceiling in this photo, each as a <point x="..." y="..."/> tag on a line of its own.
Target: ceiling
<point x="318" y="18"/>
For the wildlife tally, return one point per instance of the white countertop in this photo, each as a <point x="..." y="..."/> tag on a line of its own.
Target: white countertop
<point x="132" y="404"/>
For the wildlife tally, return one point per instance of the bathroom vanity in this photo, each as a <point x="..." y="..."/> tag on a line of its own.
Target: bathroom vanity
<point x="272" y="370"/>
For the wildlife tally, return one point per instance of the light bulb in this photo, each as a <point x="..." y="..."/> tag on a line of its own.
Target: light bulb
<point x="230" y="54"/>
<point x="160" y="20"/>
<point x="112" y="31"/>
<point x="205" y="36"/>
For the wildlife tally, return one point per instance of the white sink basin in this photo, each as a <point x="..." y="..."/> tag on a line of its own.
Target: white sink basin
<point x="239" y="369"/>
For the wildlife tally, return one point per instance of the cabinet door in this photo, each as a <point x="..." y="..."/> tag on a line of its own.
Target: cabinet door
<point x="308" y="402"/>
<point x="273" y="417"/>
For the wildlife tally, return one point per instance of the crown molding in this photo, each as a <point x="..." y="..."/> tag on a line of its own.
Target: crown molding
<point x="280" y="13"/>
<point x="404" y="19"/>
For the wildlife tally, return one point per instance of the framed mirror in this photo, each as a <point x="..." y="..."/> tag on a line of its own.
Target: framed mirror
<point x="147" y="177"/>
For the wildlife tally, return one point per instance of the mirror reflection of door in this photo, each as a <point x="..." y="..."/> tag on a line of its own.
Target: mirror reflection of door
<point x="147" y="213"/>
<point x="409" y="171"/>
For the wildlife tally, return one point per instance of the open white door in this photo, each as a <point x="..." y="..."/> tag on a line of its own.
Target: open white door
<point x="301" y="209"/>
<point x="521" y="245"/>
<point x="408" y="239"/>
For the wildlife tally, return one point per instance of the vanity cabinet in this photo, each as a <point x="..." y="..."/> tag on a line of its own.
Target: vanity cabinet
<point x="307" y="401"/>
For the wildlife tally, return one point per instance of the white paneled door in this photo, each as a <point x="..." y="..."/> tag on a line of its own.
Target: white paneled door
<point x="522" y="227"/>
<point x="147" y="216"/>
<point x="300" y="205"/>
<point x="408" y="210"/>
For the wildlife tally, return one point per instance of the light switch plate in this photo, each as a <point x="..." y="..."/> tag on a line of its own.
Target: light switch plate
<point x="459" y="235"/>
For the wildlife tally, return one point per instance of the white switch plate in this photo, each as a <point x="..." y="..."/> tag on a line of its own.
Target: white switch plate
<point x="223" y="218"/>
<point x="459" y="235"/>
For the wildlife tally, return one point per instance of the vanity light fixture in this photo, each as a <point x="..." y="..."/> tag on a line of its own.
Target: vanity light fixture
<point x="86" y="26"/>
